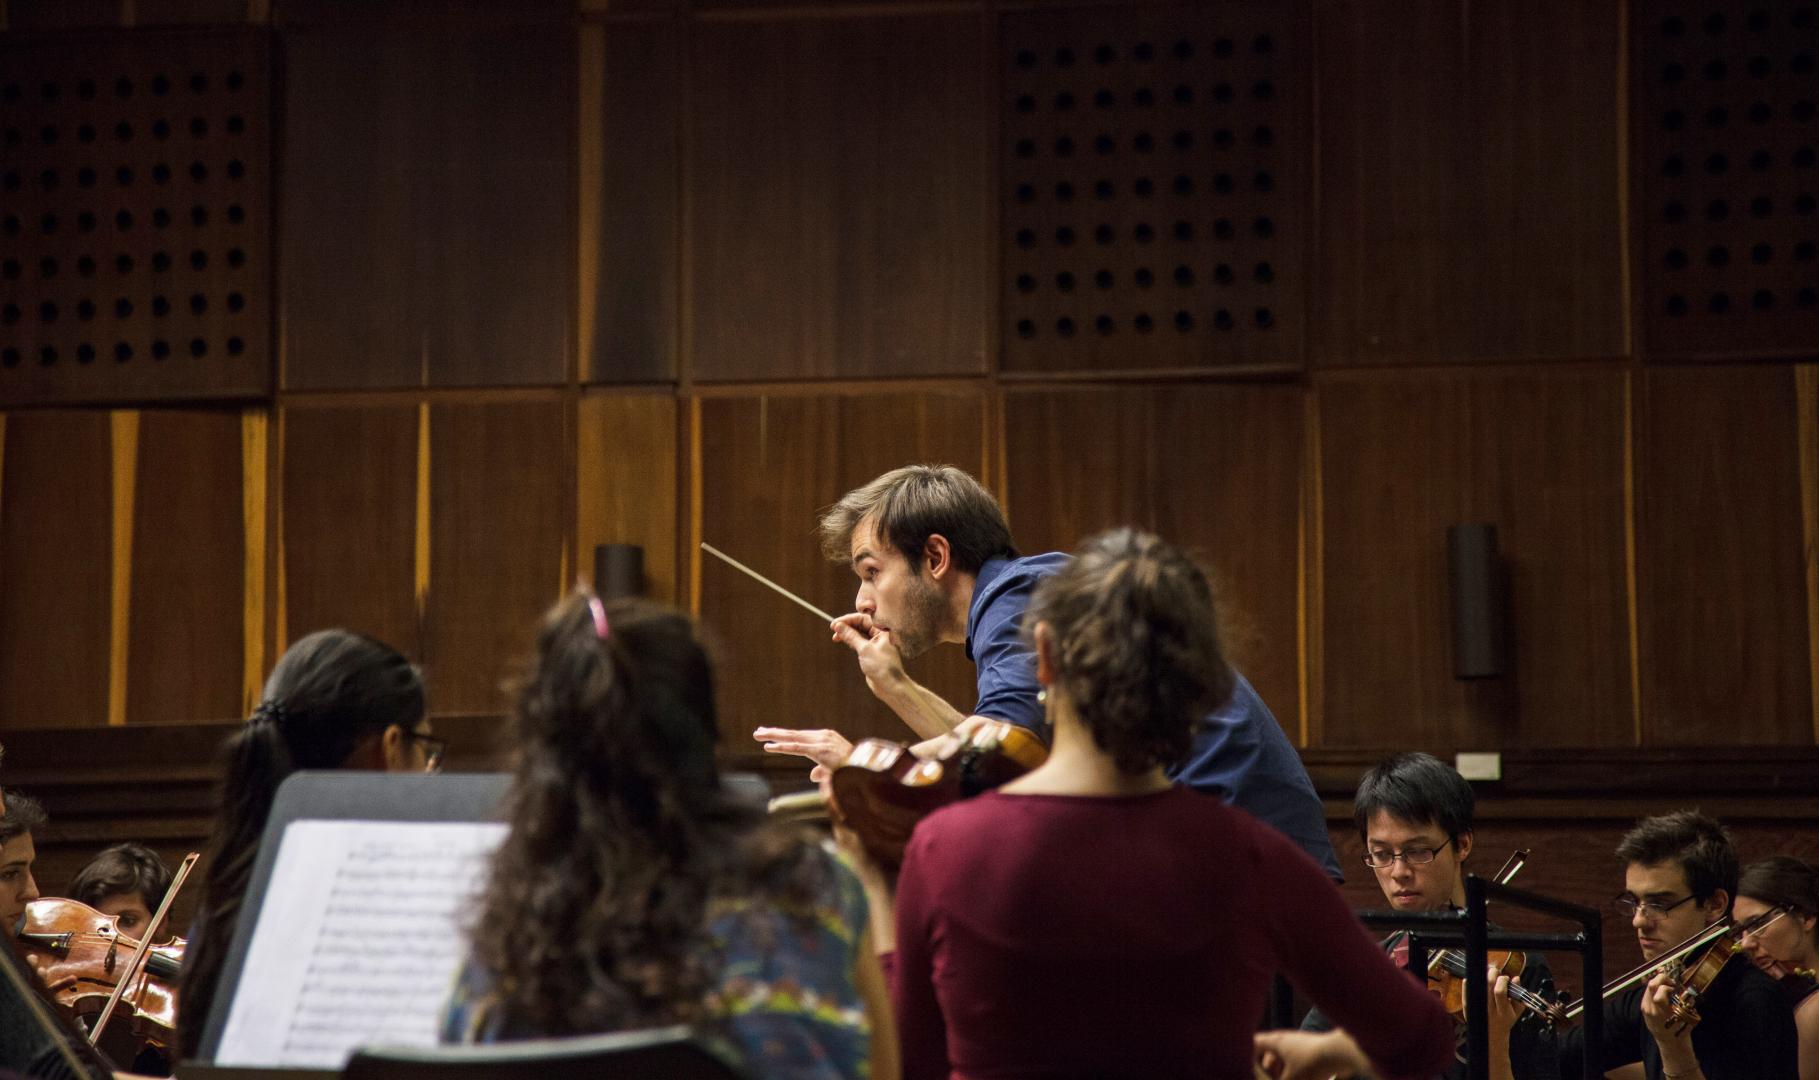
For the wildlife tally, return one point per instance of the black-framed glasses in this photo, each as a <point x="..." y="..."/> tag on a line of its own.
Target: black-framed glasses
<point x="435" y="747"/>
<point x="1413" y="856"/>
<point x="1763" y="921"/>
<point x="1653" y="909"/>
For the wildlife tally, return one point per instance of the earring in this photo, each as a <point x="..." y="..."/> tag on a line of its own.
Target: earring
<point x="1042" y="696"/>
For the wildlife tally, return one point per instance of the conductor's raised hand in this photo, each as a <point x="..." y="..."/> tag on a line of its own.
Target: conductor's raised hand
<point x="880" y="658"/>
<point x="827" y="749"/>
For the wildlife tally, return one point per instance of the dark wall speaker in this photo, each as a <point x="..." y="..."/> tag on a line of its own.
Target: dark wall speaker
<point x="1480" y="649"/>
<point x="618" y="571"/>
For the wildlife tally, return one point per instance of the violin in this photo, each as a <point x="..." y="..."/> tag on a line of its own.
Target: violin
<point x="1797" y="981"/>
<point x="1721" y="942"/>
<point x="83" y="947"/>
<point x="1447" y="973"/>
<point x="883" y="789"/>
<point x="1690" y="981"/>
<point x="81" y="953"/>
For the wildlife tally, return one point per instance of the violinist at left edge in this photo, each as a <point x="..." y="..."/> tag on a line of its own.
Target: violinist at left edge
<point x="127" y="881"/>
<point x="936" y="565"/>
<point x="1680" y="873"/>
<point x="18" y="852"/>
<point x="1414" y="813"/>
<point x="1786" y="948"/>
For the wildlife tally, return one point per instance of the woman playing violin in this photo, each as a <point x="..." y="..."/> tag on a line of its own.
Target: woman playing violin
<point x="1091" y="919"/>
<point x="1786" y="948"/>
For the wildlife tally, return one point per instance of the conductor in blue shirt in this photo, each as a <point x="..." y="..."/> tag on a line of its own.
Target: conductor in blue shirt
<point x="935" y="562"/>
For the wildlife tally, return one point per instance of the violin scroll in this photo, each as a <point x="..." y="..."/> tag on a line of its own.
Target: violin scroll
<point x="883" y="789"/>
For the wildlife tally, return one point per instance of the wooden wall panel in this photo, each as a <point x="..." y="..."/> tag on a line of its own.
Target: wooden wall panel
<point x="1726" y="191"/>
<point x="187" y="628"/>
<point x="1469" y="189"/>
<point x="768" y="465"/>
<point x="498" y="516"/>
<point x="630" y="318"/>
<point x="135" y="256"/>
<point x="1541" y="457"/>
<point x="428" y="210"/>
<point x="56" y="559"/>
<point x="102" y="14"/>
<point x="627" y="480"/>
<point x="348" y="523"/>
<point x="1720" y="567"/>
<point x="1216" y="469"/>
<point x="839" y="189"/>
<point x="61" y="14"/>
<point x="1155" y="183"/>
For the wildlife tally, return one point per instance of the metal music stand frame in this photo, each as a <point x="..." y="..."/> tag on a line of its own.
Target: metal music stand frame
<point x="1471" y="928"/>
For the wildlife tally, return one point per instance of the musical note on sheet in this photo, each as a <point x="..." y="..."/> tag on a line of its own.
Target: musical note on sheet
<point x="358" y="941"/>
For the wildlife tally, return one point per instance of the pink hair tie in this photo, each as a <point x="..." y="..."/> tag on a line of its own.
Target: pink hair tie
<point x="601" y="630"/>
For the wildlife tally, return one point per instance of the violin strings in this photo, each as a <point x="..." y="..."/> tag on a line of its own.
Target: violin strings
<point x="1454" y="962"/>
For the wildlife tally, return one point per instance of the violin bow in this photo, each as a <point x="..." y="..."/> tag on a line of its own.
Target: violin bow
<point x="145" y="944"/>
<point x="1679" y="952"/>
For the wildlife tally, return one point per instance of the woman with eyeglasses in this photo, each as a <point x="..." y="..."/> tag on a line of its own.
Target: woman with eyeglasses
<point x="635" y="891"/>
<point x="335" y="700"/>
<point x="1777" y="906"/>
<point x="1092" y="919"/>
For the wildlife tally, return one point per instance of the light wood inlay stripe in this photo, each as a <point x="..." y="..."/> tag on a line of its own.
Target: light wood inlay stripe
<point x="420" y="572"/>
<point x="1806" y="390"/>
<point x="125" y="441"/>
<point x="253" y="463"/>
<point x="1629" y="551"/>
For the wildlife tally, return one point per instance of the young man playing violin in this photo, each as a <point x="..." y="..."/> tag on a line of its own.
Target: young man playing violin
<point x="936" y="564"/>
<point x="1680" y="874"/>
<point x="1414" y="813"/>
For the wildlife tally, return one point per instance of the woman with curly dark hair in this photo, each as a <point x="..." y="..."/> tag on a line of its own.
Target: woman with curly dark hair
<point x="1090" y="918"/>
<point x="633" y="891"/>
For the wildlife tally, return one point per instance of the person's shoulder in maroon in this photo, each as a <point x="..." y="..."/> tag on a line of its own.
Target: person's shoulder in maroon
<point x="1090" y="919"/>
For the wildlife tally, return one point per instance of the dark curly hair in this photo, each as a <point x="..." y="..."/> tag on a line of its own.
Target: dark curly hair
<point x="1701" y="847"/>
<point x="328" y="694"/>
<point x="596" y="911"/>
<point x="1136" y="645"/>
<point x="122" y="869"/>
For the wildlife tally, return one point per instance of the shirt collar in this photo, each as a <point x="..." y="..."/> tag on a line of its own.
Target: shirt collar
<point x="994" y="566"/>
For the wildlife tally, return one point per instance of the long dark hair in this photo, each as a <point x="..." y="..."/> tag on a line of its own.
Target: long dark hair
<point x="621" y="833"/>
<point x="329" y="693"/>
<point x="1784" y="881"/>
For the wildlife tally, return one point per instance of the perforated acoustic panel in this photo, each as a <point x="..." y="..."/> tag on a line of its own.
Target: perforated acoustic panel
<point x="134" y="194"/>
<point x="1725" y="140"/>
<point x="1154" y="168"/>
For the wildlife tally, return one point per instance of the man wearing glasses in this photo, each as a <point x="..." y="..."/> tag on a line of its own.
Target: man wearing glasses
<point x="1680" y="873"/>
<point x="1414" y="813"/>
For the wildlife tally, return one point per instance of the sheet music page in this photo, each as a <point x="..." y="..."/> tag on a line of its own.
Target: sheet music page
<point x="359" y="939"/>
